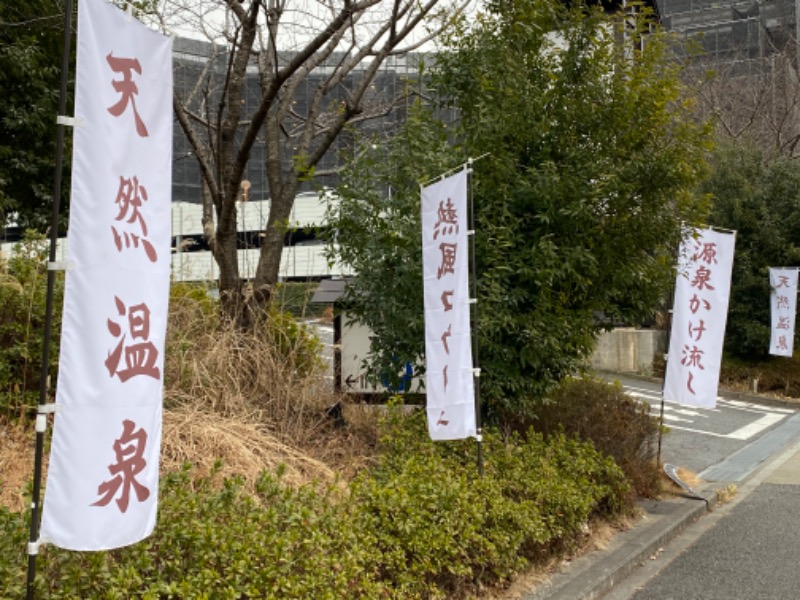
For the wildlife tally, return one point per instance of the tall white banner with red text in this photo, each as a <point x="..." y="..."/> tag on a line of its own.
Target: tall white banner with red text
<point x="702" y="290"/>
<point x="102" y="482"/>
<point x="783" y="303"/>
<point x="449" y="382"/>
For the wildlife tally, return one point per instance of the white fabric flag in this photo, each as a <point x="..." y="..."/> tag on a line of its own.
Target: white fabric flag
<point x="784" y="308"/>
<point x="449" y="382"/>
<point x="702" y="290"/>
<point x="102" y="482"/>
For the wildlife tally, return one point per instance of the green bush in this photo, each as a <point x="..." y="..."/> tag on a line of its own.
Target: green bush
<point x="23" y="290"/>
<point x="13" y="557"/>
<point x="420" y="524"/>
<point x="193" y="318"/>
<point x="295" y="298"/>
<point x="280" y="543"/>
<point x="758" y="196"/>
<point x="775" y="374"/>
<point x="293" y="340"/>
<point x="618" y="425"/>
<point x="440" y="527"/>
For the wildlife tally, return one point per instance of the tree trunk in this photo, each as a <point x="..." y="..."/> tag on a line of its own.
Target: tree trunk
<point x="231" y="290"/>
<point x="269" y="261"/>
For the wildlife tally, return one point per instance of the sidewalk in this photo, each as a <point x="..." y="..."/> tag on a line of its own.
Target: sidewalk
<point x="745" y="549"/>
<point x="593" y="575"/>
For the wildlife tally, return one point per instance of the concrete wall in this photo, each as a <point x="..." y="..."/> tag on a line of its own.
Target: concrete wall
<point x="628" y="350"/>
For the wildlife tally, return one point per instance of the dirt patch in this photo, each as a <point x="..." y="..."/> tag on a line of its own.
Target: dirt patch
<point x="17" y="446"/>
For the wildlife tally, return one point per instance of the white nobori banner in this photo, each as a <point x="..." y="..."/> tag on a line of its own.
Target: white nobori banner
<point x="702" y="290"/>
<point x="449" y="375"/>
<point x="783" y="303"/>
<point x="102" y="482"/>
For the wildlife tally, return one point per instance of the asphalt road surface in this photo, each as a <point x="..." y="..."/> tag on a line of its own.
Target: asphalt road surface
<point x="748" y="549"/>
<point x="745" y="550"/>
<point x="701" y="440"/>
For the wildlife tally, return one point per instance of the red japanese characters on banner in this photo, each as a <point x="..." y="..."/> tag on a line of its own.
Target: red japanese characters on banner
<point x="131" y="198"/>
<point x="703" y="262"/>
<point x="783" y="304"/>
<point x="102" y="481"/>
<point x="141" y="357"/>
<point x="129" y="451"/>
<point x="448" y="354"/>
<point x="699" y="317"/>
<point x="127" y="89"/>
<point x="446" y="224"/>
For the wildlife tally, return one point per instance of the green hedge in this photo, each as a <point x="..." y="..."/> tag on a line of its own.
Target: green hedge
<point x="422" y="524"/>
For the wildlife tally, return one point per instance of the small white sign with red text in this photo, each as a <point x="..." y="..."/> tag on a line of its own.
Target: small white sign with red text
<point x="783" y="303"/>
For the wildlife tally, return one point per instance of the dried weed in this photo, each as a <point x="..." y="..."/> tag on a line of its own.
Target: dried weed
<point x="16" y="464"/>
<point x="252" y="401"/>
<point x="244" y="449"/>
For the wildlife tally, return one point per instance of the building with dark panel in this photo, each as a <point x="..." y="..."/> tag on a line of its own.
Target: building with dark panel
<point x="730" y="29"/>
<point x="191" y="58"/>
<point x="196" y="61"/>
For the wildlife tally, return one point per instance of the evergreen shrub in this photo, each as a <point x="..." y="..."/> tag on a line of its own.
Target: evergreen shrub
<point x="617" y="424"/>
<point x="421" y="524"/>
<point x="23" y="290"/>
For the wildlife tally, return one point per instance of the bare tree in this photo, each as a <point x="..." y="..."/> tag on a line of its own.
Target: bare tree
<point x="343" y="44"/>
<point x="752" y="92"/>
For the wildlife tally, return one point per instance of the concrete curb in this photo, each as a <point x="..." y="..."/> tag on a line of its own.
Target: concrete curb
<point x="591" y="576"/>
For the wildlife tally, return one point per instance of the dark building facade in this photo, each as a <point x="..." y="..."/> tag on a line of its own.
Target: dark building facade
<point x="733" y="29"/>
<point x="191" y="64"/>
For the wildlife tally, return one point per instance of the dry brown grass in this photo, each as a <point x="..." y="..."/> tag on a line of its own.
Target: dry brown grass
<point x="690" y="478"/>
<point x="193" y="436"/>
<point x="671" y="489"/>
<point x="255" y="400"/>
<point x="252" y="401"/>
<point x="16" y="464"/>
<point x="244" y="449"/>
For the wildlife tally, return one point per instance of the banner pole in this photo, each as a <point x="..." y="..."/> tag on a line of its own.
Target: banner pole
<point x="474" y="316"/>
<point x="44" y="377"/>
<point x="666" y="358"/>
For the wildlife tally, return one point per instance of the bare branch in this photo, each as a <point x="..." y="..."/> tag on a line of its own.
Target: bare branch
<point x="202" y="154"/>
<point x="315" y="66"/>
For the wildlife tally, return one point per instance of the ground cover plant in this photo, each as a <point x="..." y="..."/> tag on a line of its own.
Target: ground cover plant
<point x="263" y="495"/>
<point x="773" y="375"/>
<point x="420" y="523"/>
<point x="617" y="424"/>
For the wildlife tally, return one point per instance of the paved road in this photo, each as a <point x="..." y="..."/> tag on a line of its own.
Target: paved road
<point x="745" y="550"/>
<point x="702" y="440"/>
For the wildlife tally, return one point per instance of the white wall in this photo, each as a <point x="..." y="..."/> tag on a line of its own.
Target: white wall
<point x="300" y="262"/>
